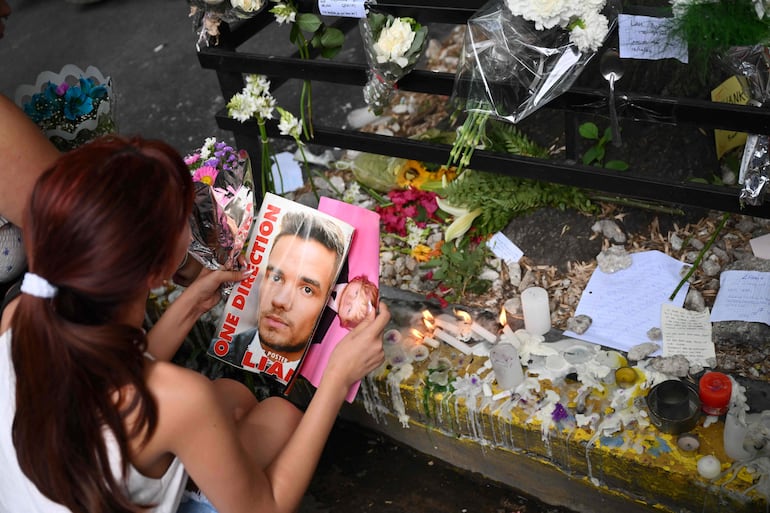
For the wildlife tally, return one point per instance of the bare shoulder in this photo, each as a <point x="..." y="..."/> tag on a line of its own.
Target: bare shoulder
<point x="179" y="390"/>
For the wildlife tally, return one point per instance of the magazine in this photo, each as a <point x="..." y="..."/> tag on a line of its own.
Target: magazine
<point x="299" y="257"/>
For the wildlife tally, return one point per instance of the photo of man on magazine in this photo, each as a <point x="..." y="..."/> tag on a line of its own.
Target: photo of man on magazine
<point x="301" y="269"/>
<point x="296" y="254"/>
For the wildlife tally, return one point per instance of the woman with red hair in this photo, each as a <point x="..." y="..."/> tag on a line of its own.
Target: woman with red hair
<point x="93" y="416"/>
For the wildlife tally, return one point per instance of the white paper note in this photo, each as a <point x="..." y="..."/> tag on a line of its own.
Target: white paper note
<point x="742" y="296"/>
<point x="504" y="248"/>
<point x="645" y="37"/>
<point x="624" y="305"/>
<point x="760" y="246"/>
<point x="346" y="8"/>
<point x="687" y="333"/>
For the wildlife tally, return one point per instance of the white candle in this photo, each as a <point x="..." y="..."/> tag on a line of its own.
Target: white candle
<point x="419" y="352"/>
<point x="507" y="366"/>
<point x="392" y="336"/>
<point x="508" y="334"/>
<point x="448" y="323"/>
<point x="502" y="395"/>
<point x="483" y="332"/>
<point x="452" y="341"/>
<point x="709" y="467"/>
<point x="537" y="313"/>
<point x="432" y="342"/>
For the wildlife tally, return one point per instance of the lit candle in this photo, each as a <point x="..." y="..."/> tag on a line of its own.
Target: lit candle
<point x="422" y="339"/>
<point x="507" y="366"/>
<point x="448" y="324"/>
<point x="512" y="310"/>
<point x="537" y="313"/>
<point x="452" y="341"/>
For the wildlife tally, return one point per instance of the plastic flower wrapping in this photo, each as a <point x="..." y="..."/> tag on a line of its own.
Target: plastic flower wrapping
<point x="393" y="46"/>
<point x="72" y="107"/>
<point x="753" y="63"/>
<point x="518" y="55"/>
<point x="208" y="15"/>
<point x="224" y="204"/>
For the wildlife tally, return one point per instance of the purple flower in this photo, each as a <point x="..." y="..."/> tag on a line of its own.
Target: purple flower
<point x="559" y="413"/>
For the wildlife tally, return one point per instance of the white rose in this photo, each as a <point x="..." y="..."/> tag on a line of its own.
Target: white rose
<point x="247" y="5"/>
<point x="394" y="41"/>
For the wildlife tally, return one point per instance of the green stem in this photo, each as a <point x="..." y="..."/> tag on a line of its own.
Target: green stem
<point x="695" y="264"/>
<point x="301" y="147"/>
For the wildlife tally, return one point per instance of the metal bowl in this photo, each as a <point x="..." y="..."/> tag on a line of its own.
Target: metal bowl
<point x="674" y="406"/>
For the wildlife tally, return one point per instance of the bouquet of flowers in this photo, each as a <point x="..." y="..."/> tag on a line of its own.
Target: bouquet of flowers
<point x="224" y="204"/>
<point x="207" y="15"/>
<point x="518" y="55"/>
<point x="393" y="46"/>
<point x="71" y="107"/>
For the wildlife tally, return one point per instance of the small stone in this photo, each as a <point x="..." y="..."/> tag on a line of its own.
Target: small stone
<point x="579" y="324"/>
<point x="675" y="241"/>
<point x="610" y="230"/>
<point x="710" y="268"/>
<point x="614" y="259"/>
<point x="694" y="301"/>
<point x="655" y="333"/>
<point x="642" y="351"/>
<point x="514" y="273"/>
<point x="697" y="244"/>
<point x="676" y="365"/>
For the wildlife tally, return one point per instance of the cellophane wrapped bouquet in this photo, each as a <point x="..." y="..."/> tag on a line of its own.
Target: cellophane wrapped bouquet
<point x="393" y="46"/>
<point x="71" y="107"/>
<point x="518" y="55"/>
<point x="224" y="204"/>
<point x="208" y="15"/>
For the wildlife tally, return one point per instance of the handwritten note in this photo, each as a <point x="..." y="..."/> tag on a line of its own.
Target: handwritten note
<point x="687" y="333"/>
<point x="742" y="296"/>
<point x="624" y="305"/>
<point x="504" y="248"/>
<point x="346" y="8"/>
<point x="645" y="37"/>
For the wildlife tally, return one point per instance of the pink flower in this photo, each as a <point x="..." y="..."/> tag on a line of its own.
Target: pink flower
<point x="192" y="159"/>
<point x="205" y="174"/>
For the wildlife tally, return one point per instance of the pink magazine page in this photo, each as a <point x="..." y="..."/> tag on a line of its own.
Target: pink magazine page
<point x="363" y="259"/>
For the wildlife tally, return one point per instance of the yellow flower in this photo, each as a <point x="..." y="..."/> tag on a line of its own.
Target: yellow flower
<point x="421" y="252"/>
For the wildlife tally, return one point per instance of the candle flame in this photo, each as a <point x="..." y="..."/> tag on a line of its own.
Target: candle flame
<point x="503" y="319"/>
<point x="465" y="316"/>
<point x="417" y="334"/>
<point x="427" y="319"/>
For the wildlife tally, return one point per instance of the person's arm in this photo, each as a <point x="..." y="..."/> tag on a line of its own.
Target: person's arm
<point x="165" y="337"/>
<point x="26" y="153"/>
<point x="224" y="458"/>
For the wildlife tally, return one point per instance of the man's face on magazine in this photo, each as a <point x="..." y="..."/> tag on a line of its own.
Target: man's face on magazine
<point x="293" y="293"/>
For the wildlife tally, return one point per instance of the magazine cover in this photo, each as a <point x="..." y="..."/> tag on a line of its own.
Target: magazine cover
<point x="357" y="288"/>
<point x="296" y="254"/>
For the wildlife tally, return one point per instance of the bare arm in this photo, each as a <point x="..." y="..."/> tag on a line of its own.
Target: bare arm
<point x="224" y="458"/>
<point x="165" y="337"/>
<point x="26" y="153"/>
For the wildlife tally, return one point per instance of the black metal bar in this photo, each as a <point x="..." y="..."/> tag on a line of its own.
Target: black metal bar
<point x="578" y="99"/>
<point x="557" y="171"/>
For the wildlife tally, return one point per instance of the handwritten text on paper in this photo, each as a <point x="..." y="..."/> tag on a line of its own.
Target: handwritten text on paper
<point x="645" y="37"/>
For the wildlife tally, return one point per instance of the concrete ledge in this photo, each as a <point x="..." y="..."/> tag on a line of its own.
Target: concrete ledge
<point x="636" y="469"/>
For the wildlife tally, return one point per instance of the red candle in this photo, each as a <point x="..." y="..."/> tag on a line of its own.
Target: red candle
<point x="714" y="391"/>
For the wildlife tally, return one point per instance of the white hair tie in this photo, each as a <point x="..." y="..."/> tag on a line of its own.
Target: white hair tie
<point x="37" y="286"/>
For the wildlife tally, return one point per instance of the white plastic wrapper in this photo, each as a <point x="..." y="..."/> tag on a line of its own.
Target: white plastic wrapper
<point x="509" y="69"/>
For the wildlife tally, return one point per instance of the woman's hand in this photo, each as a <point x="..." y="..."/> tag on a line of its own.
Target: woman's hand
<point x="360" y="351"/>
<point x="205" y="292"/>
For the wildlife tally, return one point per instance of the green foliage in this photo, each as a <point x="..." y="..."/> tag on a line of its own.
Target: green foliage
<point x="503" y="197"/>
<point x="458" y="267"/>
<point x="505" y="137"/>
<point x="596" y="153"/>
<point x="711" y="27"/>
<point x="309" y="28"/>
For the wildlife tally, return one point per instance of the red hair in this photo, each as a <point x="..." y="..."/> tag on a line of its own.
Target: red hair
<point x="100" y="222"/>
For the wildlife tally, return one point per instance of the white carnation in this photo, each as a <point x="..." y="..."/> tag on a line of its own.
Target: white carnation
<point x="241" y="107"/>
<point x="589" y="34"/>
<point x="394" y="41"/>
<point x="247" y="5"/>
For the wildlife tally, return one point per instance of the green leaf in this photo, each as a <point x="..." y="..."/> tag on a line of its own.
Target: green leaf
<point x="699" y="180"/>
<point x="332" y="38"/>
<point x="308" y="22"/>
<point x="589" y="130"/>
<point x="607" y="134"/>
<point x="330" y="53"/>
<point x="618" y="165"/>
<point x="591" y="155"/>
